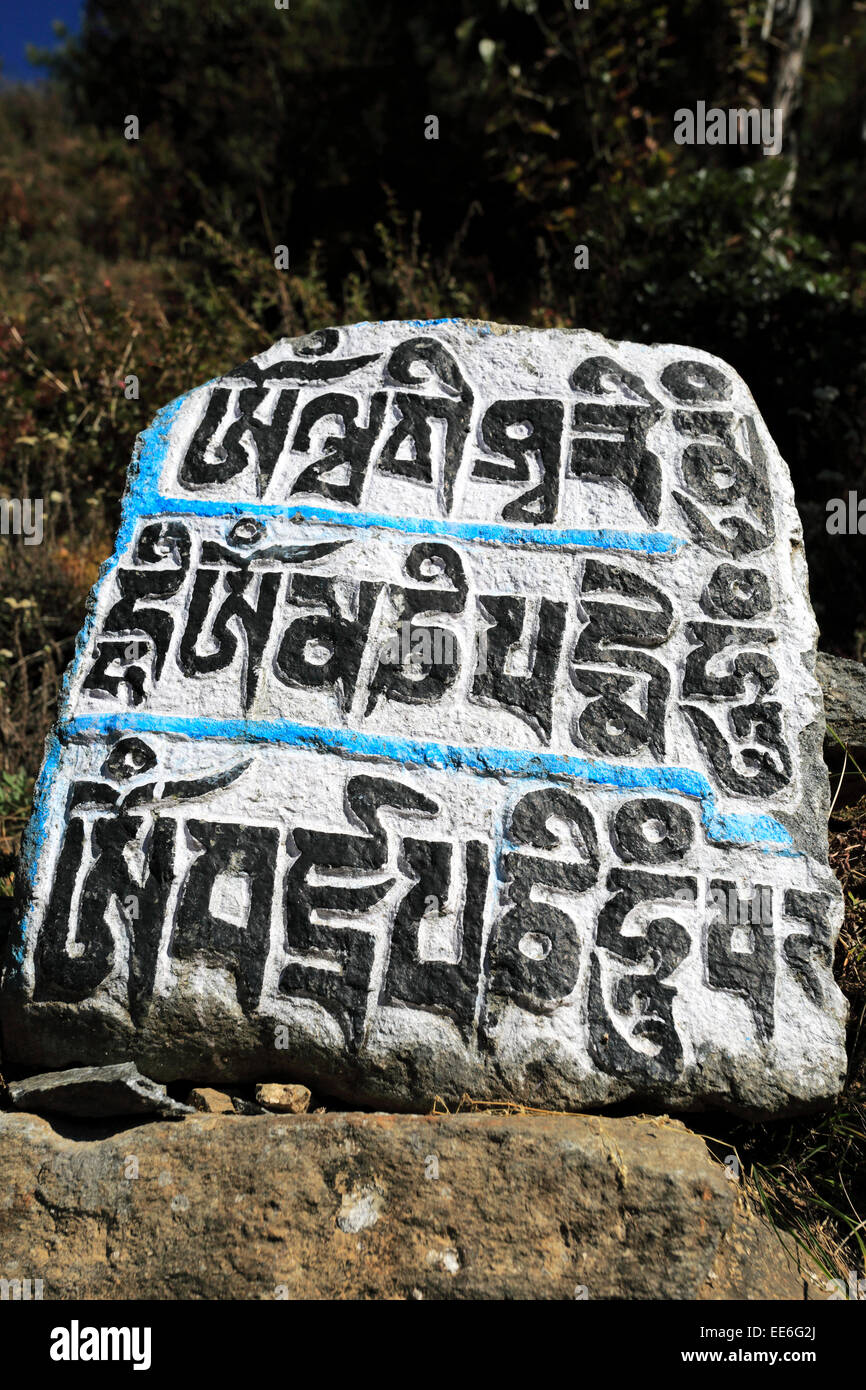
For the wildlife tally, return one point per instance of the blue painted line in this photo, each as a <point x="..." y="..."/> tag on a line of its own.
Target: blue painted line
<point x="415" y="323"/>
<point x="144" y="498"/>
<point x="146" y="465"/>
<point x="35" y="836"/>
<point x="645" y="543"/>
<point x="738" y="828"/>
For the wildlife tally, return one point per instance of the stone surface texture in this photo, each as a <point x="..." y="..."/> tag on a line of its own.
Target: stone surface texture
<point x="289" y="1100"/>
<point x="843" y="684"/>
<point x="446" y="721"/>
<point x="95" y="1092"/>
<point x="383" y="1207"/>
<point x="210" y="1101"/>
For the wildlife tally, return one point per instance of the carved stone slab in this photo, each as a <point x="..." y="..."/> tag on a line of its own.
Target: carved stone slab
<point x="445" y="721"/>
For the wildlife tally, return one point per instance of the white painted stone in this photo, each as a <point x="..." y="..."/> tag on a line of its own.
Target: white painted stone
<point x="403" y="857"/>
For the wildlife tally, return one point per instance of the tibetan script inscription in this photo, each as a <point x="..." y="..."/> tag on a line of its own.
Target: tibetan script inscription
<point x="445" y="721"/>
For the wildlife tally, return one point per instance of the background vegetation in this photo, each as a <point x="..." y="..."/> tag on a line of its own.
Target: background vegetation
<point x="306" y="126"/>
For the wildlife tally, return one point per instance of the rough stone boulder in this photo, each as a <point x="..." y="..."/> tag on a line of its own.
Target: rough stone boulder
<point x="381" y="1206"/>
<point x="446" y="720"/>
<point x="843" y="684"/>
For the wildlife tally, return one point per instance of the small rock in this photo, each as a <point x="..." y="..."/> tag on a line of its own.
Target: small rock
<point x="843" y="684"/>
<point x="287" y="1100"/>
<point x="247" y="1107"/>
<point x="96" y="1092"/>
<point x="211" y="1102"/>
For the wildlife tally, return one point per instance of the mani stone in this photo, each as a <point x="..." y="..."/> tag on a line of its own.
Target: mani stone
<point x="445" y="722"/>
